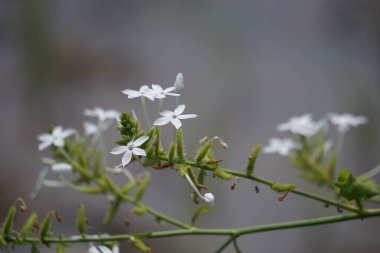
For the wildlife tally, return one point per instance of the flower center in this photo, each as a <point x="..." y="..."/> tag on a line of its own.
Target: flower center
<point x="174" y="116"/>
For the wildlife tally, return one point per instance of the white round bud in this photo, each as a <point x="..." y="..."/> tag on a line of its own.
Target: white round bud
<point x="209" y="198"/>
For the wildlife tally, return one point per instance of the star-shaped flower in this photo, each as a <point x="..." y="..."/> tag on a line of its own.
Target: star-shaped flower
<point x="144" y="91"/>
<point x="160" y="93"/>
<point x="281" y="146"/>
<point x="56" y="138"/>
<point x="178" y="84"/>
<point x="132" y="148"/>
<point x="102" y="114"/>
<point x="173" y="117"/>
<point x="105" y="118"/>
<point x="302" y="125"/>
<point x="346" y="120"/>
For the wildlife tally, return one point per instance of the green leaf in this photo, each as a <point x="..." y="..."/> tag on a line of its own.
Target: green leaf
<point x="142" y="187"/>
<point x="28" y="225"/>
<point x="81" y="220"/>
<point x="353" y="188"/>
<point x="201" y="210"/>
<point x="280" y="187"/>
<point x="140" y="245"/>
<point x="252" y="159"/>
<point x="180" y="145"/>
<point x="171" y="154"/>
<point x="45" y="225"/>
<point x="202" y="151"/>
<point x="222" y="174"/>
<point x="8" y="221"/>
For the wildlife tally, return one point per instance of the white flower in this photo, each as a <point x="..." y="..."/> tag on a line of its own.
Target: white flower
<point x="160" y="93"/>
<point x="105" y="118"/>
<point x="144" y="91"/>
<point x="178" y="84"/>
<point x="303" y="125"/>
<point x="130" y="149"/>
<point x="173" y="117"/>
<point x="101" y="114"/>
<point x="103" y="249"/>
<point x="281" y="146"/>
<point x="346" y="120"/>
<point x="61" y="167"/>
<point x="208" y="197"/>
<point x="56" y="138"/>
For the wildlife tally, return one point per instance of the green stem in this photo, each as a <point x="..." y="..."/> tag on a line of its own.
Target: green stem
<point x="269" y="183"/>
<point x="233" y="233"/>
<point x="236" y="246"/>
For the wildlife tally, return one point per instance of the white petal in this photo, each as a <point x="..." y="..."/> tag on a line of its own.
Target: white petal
<point x="169" y="89"/>
<point x="61" y="167"/>
<point x="167" y="113"/>
<point x="67" y="132"/>
<point x="57" y="131"/>
<point x="45" y="137"/>
<point x="157" y="87"/>
<point x="41" y="176"/>
<point x="139" y="151"/>
<point x="144" y="88"/>
<point x="127" y="157"/>
<point x="187" y="116"/>
<point x="161" y="121"/>
<point x="140" y="141"/>
<point x="89" y="128"/>
<point x="59" y="142"/>
<point x="149" y="96"/>
<point x="90" y="113"/>
<point x="44" y="145"/>
<point x="209" y="198"/>
<point x="132" y="93"/>
<point x="179" y="110"/>
<point x="177" y="123"/>
<point x="172" y="94"/>
<point x="118" y="150"/>
<point x="115" y="248"/>
<point x="99" y="249"/>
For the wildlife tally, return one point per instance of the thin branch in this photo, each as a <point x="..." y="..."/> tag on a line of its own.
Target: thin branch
<point x="236" y="246"/>
<point x="233" y="233"/>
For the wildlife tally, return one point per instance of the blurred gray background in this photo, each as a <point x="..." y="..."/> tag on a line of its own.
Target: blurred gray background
<point x="248" y="65"/>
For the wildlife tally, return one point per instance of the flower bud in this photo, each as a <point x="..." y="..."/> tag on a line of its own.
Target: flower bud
<point x="178" y="84"/>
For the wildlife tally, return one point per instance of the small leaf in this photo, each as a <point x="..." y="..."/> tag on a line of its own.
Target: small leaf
<point x="45" y="225"/>
<point x="140" y="210"/>
<point x="3" y="243"/>
<point x="128" y="187"/>
<point x="171" y="154"/>
<point x="61" y="248"/>
<point x="279" y="187"/>
<point x="180" y="145"/>
<point x="202" y="151"/>
<point x="81" y="220"/>
<point x="112" y="211"/>
<point x="8" y="221"/>
<point x="111" y="186"/>
<point x="142" y="187"/>
<point x="201" y="210"/>
<point x="140" y="245"/>
<point x="91" y="189"/>
<point x="222" y="174"/>
<point x="28" y="225"/>
<point x="252" y="159"/>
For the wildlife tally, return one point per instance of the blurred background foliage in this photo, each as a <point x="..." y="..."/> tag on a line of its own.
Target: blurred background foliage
<point x="248" y="65"/>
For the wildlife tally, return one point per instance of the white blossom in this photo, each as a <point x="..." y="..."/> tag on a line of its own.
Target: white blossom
<point x="173" y="117"/>
<point x="105" y="119"/>
<point x="281" y="146"/>
<point x="144" y="91"/>
<point x="303" y="125"/>
<point x="178" y="84"/>
<point x="56" y="138"/>
<point x="207" y="197"/>
<point x="160" y="93"/>
<point x="344" y="121"/>
<point x="132" y="148"/>
<point x="102" y="114"/>
<point x="103" y="249"/>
